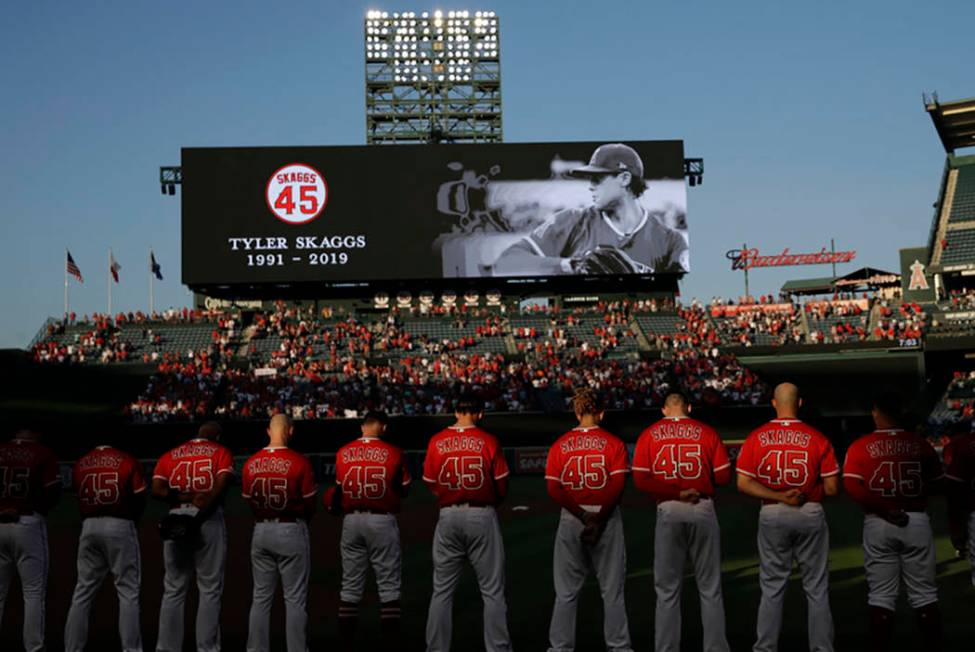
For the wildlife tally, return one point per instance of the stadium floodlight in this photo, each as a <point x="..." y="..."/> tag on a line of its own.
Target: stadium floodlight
<point x="432" y="76"/>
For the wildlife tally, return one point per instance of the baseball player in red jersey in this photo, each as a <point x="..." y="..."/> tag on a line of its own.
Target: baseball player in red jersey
<point x="465" y="469"/>
<point x="585" y="474"/>
<point x="790" y="466"/>
<point x="279" y="484"/>
<point x="891" y="472"/>
<point x="29" y="487"/>
<point x="193" y="479"/>
<point x="371" y="481"/>
<point x="959" y="457"/>
<point x="679" y="461"/>
<point x="111" y="497"/>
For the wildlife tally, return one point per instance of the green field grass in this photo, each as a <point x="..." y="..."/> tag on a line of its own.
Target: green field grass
<point x="528" y="536"/>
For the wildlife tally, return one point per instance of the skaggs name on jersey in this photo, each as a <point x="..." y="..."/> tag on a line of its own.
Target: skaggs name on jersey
<point x="364" y="454"/>
<point x="583" y="443"/>
<point x="783" y="437"/>
<point x="460" y="443"/>
<point x="275" y="465"/>
<point x="893" y="448"/>
<point x="676" y="430"/>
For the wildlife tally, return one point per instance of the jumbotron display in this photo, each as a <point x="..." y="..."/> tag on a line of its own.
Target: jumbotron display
<point x="278" y="215"/>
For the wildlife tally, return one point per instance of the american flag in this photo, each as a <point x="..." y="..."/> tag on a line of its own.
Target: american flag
<point x="73" y="268"/>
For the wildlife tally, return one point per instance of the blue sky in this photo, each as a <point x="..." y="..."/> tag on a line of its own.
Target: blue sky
<point x="808" y="116"/>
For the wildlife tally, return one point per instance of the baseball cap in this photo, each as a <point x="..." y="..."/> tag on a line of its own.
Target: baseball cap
<point x="612" y="158"/>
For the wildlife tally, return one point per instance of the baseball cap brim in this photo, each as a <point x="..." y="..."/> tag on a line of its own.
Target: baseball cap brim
<point x="589" y="170"/>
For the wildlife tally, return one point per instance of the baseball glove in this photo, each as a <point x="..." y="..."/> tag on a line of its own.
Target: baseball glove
<point x="182" y="529"/>
<point x="606" y="259"/>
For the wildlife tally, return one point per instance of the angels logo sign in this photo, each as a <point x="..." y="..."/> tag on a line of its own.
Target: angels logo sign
<point x="296" y="193"/>
<point x="918" y="280"/>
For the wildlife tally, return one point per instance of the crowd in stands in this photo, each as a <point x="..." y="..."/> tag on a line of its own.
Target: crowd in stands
<point x="902" y="322"/>
<point x="331" y="362"/>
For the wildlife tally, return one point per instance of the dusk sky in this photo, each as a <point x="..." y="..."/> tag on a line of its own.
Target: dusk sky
<point x="808" y="116"/>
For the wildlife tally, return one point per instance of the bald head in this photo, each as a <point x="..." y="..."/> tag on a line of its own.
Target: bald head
<point x="786" y="400"/>
<point x="280" y="429"/>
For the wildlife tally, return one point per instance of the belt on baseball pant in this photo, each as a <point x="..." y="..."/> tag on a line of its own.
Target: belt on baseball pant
<point x="465" y="505"/>
<point x="279" y="519"/>
<point x="368" y="511"/>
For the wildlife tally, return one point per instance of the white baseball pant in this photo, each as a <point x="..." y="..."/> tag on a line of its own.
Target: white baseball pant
<point x="209" y="562"/>
<point x="107" y="545"/>
<point x="23" y="545"/>
<point x="890" y="552"/>
<point x="280" y="550"/>
<point x="468" y="534"/>
<point x="572" y="562"/>
<point x="684" y="530"/>
<point x="370" y="539"/>
<point x="786" y="533"/>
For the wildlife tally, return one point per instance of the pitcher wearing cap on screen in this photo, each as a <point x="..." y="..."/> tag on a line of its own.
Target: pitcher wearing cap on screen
<point x="614" y="235"/>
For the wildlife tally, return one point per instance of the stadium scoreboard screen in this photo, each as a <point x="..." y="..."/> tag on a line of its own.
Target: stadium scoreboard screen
<point x="334" y="215"/>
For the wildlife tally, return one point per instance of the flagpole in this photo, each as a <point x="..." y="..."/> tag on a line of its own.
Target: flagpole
<point x="109" y="282"/>
<point x="151" y="274"/>
<point x="65" y="284"/>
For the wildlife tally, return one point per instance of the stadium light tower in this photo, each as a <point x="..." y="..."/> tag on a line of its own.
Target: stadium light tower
<point x="433" y="77"/>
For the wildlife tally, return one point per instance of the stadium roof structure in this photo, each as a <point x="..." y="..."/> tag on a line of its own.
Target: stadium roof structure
<point x="954" y="121"/>
<point x="823" y="285"/>
<point x="867" y="278"/>
<point x="951" y="243"/>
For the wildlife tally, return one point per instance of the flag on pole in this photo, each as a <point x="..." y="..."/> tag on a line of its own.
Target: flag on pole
<point x="73" y="268"/>
<point x="113" y="265"/>
<point x="154" y="266"/>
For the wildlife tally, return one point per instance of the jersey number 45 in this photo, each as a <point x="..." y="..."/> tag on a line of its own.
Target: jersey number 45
<point x="584" y="472"/>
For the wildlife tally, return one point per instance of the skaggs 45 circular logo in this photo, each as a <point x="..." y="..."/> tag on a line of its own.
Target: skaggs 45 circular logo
<point x="297" y="193"/>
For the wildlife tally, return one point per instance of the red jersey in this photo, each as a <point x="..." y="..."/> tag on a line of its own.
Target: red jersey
<point x="895" y="467"/>
<point x="683" y="453"/>
<point x="462" y="464"/>
<point x="27" y="469"/>
<point x="193" y="467"/>
<point x="787" y="454"/>
<point x="106" y="479"/>
<point x="960" y="464"/>
<point x="276" y="482"/>
<point x="583" y="461"/>
<point x="372" y="474"/>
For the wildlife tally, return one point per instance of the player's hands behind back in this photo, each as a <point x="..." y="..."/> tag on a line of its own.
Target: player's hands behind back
<point x="794" y="498"/>
<point x="897" y="517"/>
<point x="692" y="496"/>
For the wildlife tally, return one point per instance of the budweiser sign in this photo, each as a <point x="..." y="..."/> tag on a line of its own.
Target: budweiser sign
<point x="750" y="258"/>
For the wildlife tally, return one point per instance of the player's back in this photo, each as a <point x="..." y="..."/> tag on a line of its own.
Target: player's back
<point x="27" y="469"/>
<point x="788" y="454"/>
<point x="105" y="480"/>
<point x="683" y="451"/>
<point x="896" y="466"/>
<point x="959" y="455"/>
<point x="583" y="461"/>
<point x="462" y="464"/>
<point x="371" y="472"/>
<point x="276" y="482"/>
<point x="193" y="467"/>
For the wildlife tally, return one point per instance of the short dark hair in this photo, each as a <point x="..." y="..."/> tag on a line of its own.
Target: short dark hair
<point x="637" y="185"/>
<point x="376" y="416"/>
<point x="469" y="404"/>
<point x="890" y="404"/>
<point x="677" y="396"/>
<point x="210" y="430"/>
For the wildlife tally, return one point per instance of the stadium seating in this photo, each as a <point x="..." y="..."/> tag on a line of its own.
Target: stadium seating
<point x="963" y="201"/>
<point x="960" y="247"/>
